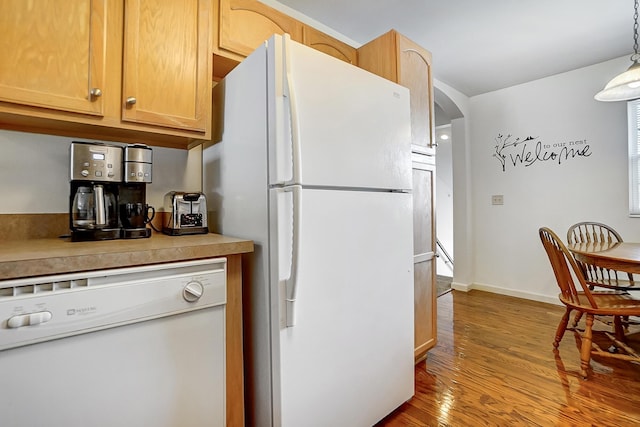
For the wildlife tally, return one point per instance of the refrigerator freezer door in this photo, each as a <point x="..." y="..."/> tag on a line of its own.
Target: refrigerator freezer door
<point x="349" y="358"/>
<point x="343" y="125"/>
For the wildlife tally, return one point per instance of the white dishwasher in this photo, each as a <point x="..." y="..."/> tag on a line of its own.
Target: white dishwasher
<point x="141" y="346"/>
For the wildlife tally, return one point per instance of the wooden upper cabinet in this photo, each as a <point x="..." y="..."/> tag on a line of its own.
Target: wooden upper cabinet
<point x="399" y="59"/>
<point x="244" y="24"/>
<point x="329" y="45"/>
<point x="69" y="67"/>
<point x="53" y="54"/>
<point x="165" y="63"/>
<point x="415" y="73"/>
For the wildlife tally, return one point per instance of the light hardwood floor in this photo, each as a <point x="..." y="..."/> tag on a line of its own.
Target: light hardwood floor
<point x="494" y="365"/>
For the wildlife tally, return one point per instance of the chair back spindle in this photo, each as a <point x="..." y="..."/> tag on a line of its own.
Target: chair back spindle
<point x="593" y="234"/>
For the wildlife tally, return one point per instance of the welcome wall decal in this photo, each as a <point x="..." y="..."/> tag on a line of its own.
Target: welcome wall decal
<point x="515" y="151"/>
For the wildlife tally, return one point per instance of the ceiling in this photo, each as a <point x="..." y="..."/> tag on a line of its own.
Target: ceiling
<point x="479" y="46"/>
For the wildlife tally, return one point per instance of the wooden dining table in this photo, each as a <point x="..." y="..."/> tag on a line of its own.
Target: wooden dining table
<point x="621" y="256"/>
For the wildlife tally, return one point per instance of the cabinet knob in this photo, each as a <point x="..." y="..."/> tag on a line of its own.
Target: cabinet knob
<point x="131" y="100"/>
<point x="95" y="92"/>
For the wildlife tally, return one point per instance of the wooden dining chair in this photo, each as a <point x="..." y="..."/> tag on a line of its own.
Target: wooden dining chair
<point x="596" y="233"/>
<point x="583" y="300"/>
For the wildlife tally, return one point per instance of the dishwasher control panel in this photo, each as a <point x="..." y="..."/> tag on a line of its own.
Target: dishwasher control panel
<point x="39" y="309"/>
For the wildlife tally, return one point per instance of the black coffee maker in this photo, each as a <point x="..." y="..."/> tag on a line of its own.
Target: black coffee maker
<point x="108" y="191"/>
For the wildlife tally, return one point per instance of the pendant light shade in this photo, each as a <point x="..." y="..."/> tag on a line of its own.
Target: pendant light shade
<point x="625" y="86"/>
<point x="622" y="87"/>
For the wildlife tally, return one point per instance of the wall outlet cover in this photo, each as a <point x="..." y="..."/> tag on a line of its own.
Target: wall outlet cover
<point x="497" y="199"/>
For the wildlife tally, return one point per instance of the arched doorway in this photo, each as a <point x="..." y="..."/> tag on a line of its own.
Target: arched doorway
<point x="446" y="112"/>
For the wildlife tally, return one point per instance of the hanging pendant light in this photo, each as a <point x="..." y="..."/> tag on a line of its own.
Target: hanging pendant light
<point x="625" y="86"/>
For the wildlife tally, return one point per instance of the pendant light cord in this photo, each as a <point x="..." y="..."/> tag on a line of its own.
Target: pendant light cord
<point x="635" y="55"/>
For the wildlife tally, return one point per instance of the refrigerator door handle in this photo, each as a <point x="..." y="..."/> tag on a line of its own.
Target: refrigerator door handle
<point x="289" y="92"/>
<point x="291" y="283"/>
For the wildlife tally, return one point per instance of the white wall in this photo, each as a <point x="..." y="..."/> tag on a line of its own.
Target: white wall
<point x="444" y="200"/>
<point x="462" y="188"/>
<point x="34" y="173"/>
<point x="507" y="254"/>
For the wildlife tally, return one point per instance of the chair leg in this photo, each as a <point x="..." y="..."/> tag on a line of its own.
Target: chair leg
<point x="585" y="350"/>
<point x="625" y="322"/>
<point x="562" y="327"/>
<point x="618" y="328"/>
<point x="577" y="319"/>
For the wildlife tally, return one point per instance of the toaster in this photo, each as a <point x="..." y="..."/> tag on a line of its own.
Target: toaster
<point x="187" y="213"/>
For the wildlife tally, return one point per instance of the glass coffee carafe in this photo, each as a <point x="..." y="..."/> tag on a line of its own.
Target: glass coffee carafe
<point x="83" y="209"/>
<point x="94" y="207"/>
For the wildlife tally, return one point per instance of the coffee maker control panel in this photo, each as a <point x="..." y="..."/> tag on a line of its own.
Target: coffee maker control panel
<point x="138" y="161"/>
<point x="96" y="162"/>
<point x="137" y="172"/>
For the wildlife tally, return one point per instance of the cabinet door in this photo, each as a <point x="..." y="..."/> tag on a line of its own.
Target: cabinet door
<point x="329" y="45"/>
<point x="166" y="61"/>
<point x="53" y="54"/>
<point x="395" y="57"/>
<point x="244" y="24"/>
<point x="424" y="179"/>
<point x="415" y="74"/>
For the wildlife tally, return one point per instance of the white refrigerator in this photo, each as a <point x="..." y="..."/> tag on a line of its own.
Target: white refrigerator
<point x="311" y="160"/>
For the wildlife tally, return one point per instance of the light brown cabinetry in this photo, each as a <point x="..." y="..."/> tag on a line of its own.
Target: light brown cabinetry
<point x="398" y="59"/>
<point x="234" y="350"/>
<point x="52" y="62"/>
<point x="165" y="63"/>
<point x="424" y="259"/>
<point x="244" y="24"/>
<point x="329" y="45"/>
<point x="73" y="76"/>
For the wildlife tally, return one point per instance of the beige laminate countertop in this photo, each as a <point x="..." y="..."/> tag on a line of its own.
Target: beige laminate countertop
<point x="38" y="257"/>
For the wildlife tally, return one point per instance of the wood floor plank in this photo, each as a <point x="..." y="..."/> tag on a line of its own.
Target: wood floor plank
<point x="494" y="365"/>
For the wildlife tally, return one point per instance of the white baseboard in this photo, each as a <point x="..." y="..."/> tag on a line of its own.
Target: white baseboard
<point x="460" y="286"/>
<point x="502" y="291"/>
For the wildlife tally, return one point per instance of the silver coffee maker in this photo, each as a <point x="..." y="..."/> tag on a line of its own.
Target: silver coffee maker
<point x="96" y="172"/>
<point x="108" y="191"/>
<point x="134" y="212"/>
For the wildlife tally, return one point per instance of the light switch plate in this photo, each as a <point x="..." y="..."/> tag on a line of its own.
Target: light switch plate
<point x="497" y="199"/>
